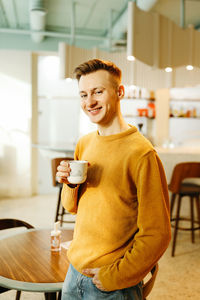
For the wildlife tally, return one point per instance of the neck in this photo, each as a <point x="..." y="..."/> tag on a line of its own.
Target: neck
<point x="117" y="125"/>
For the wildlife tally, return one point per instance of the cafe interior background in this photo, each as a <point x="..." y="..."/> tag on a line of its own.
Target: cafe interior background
<point x="156" y="43"/>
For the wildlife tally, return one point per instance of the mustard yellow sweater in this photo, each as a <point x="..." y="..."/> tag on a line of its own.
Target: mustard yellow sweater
<point x="122" y="222"/>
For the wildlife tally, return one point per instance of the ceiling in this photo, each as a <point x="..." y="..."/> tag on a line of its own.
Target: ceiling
<point x="39" y="25"/>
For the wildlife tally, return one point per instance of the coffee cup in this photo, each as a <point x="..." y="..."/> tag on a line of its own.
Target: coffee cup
<point x="78" y="172"/>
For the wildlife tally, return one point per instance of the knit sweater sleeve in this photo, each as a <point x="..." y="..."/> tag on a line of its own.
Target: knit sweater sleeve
<point x="153" y="222"/>
<point x="69" y="196"/>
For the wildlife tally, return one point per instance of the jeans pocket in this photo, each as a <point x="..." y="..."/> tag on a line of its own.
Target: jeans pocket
<point x="101" y="291"/>
<point x="110" y="295"/>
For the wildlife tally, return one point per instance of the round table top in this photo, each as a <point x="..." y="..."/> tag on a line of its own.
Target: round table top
<point x="27" y="263"/>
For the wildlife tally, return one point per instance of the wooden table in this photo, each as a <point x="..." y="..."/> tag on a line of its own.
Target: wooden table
<point x="27" y="263"/>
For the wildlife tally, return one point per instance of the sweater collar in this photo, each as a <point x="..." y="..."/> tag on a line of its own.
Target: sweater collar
<point x="116" y="136"/>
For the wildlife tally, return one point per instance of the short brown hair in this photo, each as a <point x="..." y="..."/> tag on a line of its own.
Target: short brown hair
<point x="95" y="65"/>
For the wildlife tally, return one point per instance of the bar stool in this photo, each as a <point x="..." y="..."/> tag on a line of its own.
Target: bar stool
<point x="60" y="211"/>
<point x="180" y="188"/>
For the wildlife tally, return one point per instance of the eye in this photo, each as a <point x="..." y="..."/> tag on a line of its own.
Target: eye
<point x="98" y="92"/>
<point x="83" y="96"/>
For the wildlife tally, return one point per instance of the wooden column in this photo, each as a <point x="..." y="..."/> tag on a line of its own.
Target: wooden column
<point x="162" y="116"/>
<point x="34" y="124"/>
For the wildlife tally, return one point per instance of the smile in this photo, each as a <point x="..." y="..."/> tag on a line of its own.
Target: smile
<point x="94" y="110"/>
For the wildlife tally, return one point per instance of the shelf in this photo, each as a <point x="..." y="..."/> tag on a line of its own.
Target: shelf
<point x="138" y="99"/>
<point x="193" y="118"/>
<point x="185" y="100"/>
<point x="134" y="116"/>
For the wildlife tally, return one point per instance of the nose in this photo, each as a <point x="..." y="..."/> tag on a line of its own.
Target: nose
<point x="91" y="102"/>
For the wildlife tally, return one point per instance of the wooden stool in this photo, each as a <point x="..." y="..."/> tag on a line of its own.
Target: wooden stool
<point x="182" y="189"/>
<point x="60" y="211"/>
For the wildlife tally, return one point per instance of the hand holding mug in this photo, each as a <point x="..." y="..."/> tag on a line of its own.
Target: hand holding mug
<point x="72" y="172"/>
<point x="63" y="172"/>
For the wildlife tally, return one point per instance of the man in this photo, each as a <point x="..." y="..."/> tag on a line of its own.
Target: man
<point x="122" y="223"/>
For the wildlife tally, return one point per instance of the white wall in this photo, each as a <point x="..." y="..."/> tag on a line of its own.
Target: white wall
<point x="15" y="116"/>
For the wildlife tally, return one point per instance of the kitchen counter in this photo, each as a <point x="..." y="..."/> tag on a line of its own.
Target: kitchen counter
<point x="55" y="151"/>
<point x="172" y="156"/>
<point x="181" y="150"/>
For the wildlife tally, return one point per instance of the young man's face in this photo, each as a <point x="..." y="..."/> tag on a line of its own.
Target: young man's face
<point x="99" y="96"/>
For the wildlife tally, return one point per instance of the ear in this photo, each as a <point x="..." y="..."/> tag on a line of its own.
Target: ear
<point x="121" y="91"/>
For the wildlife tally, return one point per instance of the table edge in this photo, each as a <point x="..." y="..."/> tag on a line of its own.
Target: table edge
<point x="30" y="286"/>
<point x="10" y="234"/>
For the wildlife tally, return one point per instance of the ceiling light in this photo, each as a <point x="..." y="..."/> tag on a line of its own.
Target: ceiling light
<point x="189" y="67"/>
<point x="130" y="57"/>
<point x="168" y="69"/>
<point x="130" y="31"/>
<point x="37" y="19"/>
<point x="62" y="54"/>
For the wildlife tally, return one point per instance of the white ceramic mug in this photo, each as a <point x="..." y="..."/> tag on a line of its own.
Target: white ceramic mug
<point x="78" y="172"/>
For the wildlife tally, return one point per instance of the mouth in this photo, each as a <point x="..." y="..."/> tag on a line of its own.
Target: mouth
<point x="95" y="110"/>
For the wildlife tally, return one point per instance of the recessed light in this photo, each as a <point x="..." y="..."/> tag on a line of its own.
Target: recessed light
<point x="168" y="69"/>
<point x="189" y="67"/>
<point x="130" y="57"/>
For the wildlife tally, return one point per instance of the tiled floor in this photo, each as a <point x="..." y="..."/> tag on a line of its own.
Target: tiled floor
<point x="38" y="210"/>
<point x="178" y="277"/>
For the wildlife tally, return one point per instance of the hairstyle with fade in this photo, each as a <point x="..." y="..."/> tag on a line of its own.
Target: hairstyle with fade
<point x="95" y="65"/>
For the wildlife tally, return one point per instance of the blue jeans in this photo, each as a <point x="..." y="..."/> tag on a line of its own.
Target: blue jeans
<point x="79" y="287"/>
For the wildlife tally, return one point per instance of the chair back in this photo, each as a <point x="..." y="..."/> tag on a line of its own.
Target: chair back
<point x="182" y="171"/>
<point x="12" y="223"/>
<point x="54" y="164"/>
<point x="7" y="224"/>
<point x="147" y="287"/>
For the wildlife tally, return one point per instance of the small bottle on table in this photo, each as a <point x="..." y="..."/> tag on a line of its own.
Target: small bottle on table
<point x="56" y="238"/>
